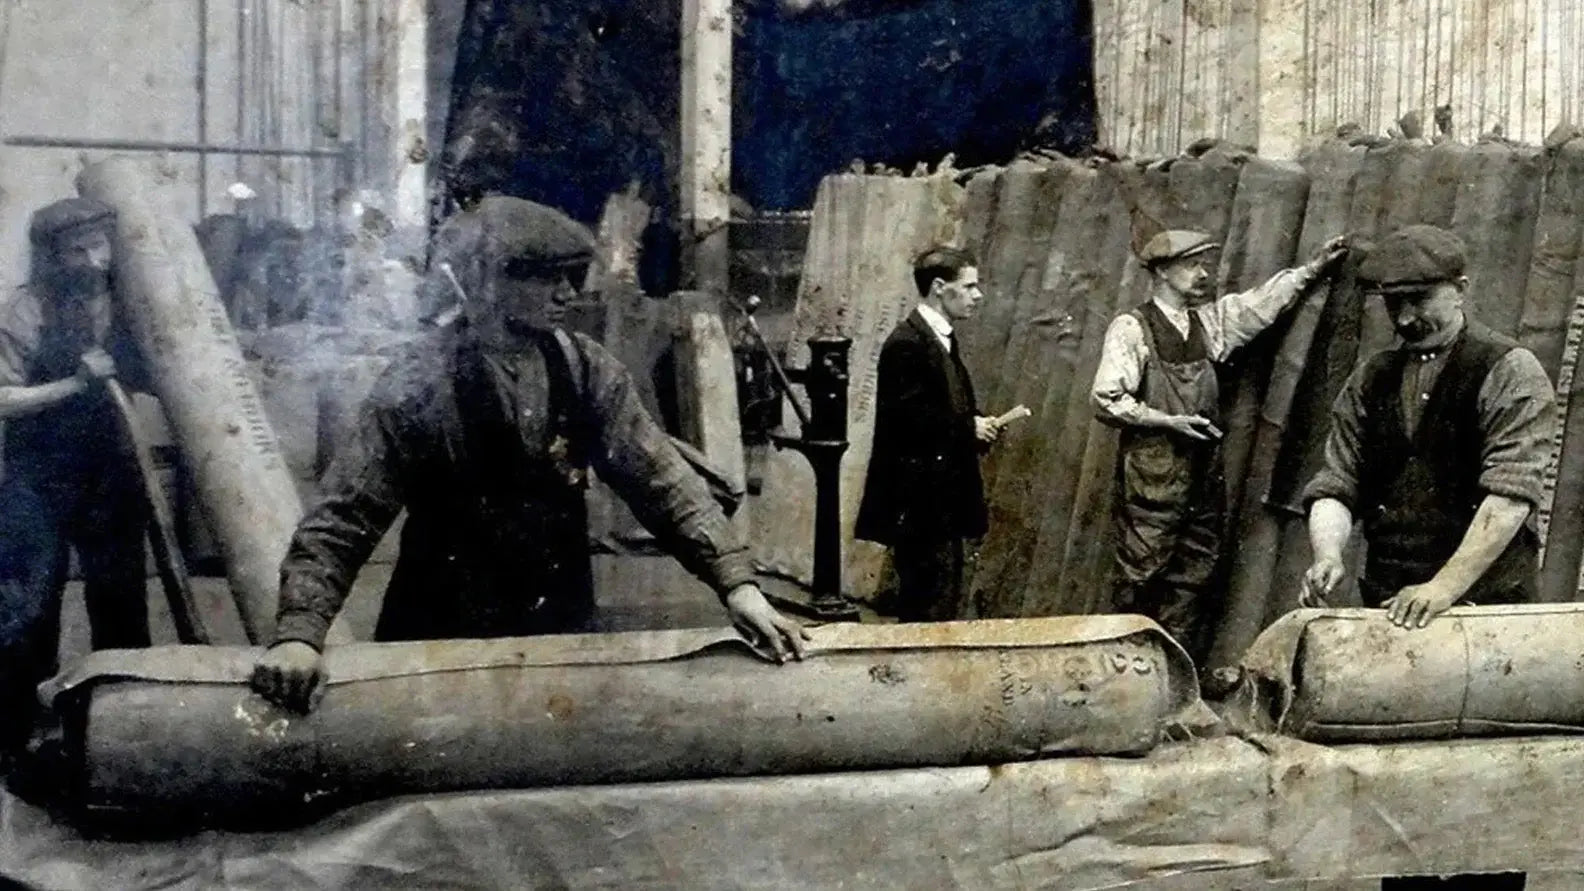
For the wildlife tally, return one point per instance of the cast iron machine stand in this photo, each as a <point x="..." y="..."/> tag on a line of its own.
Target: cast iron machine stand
<point x="822" y="440"/>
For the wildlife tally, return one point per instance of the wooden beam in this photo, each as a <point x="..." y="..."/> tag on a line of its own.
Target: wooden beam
<point x="410" y="118"/>
<point x="706" y="141"/>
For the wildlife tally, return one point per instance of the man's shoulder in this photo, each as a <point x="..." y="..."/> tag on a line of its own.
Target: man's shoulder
<point x="1490" y="339"/>
<point x="1521" y="368"/>
<point x="417" y="369"/>
<point x="1129" y="319"/>
<point x="21" y="314"/>
<point x="906" y="335"/>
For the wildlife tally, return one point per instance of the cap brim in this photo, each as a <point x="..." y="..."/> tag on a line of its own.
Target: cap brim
<point x="1402" y="289"/>
<point x="1191" y="252"/>
<point x="1196" y="251"/>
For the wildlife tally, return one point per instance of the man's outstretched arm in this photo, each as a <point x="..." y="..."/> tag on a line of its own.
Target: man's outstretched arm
<point x="635" y="457"/>
<point x="361" y="500"/>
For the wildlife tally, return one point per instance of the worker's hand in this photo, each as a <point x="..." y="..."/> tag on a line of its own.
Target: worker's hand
<point x="1193" y="427"/>
<point x="1415" y="605"/>
<point x="95" y="365"/>
<point x="290" y="675"/>
<point x="1328" y="253"/>
<point x="762" y="624"/>
<point x="1320" y="582"/>
<point x="987" y="430"/>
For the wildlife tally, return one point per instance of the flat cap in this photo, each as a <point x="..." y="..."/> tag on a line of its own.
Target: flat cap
<point x="1413" y="258"/>
<point x="1174" y="244"/>
<point x="67" y="214"/>
<point x="540" y="237"/>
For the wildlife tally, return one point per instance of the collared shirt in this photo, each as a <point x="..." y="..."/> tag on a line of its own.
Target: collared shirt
<point x="1229" y="322"/>
<point x="1420" y="374"/>
<point x="1516" y="406"/>
<point x="938" y="323"/>
<point x="391" y="451"/>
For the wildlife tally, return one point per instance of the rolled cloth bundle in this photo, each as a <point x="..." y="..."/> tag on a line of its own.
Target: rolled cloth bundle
<point x="175" y="314"/>
<point x="176" y="728"/>
<point x="1349" y="675"/>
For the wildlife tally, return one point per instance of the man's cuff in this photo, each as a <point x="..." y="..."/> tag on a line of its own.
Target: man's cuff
<point x="1514" y="484"/>
<point x="730" y="571"/>
<point x="1323" y="487"/>
<point x="302" y="625"/>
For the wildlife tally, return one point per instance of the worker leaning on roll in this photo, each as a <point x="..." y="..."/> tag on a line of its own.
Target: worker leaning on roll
<point x="484" y="432"/>
<point x="70" y="479"/>
<point x="1157" y="382"/>
<point x="1437" y="446"/>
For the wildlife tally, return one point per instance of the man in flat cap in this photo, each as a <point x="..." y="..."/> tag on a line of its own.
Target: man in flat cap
<point x="70" y="481"/>
<point x="1437" y="445"/>
<point x="1157" y="382"/>
<point x="484" y="431"/>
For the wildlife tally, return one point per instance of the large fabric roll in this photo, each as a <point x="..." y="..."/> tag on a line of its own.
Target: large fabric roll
<point x="177" y="727"/>
<point x="1496" y="212"/>
<point x="1045" y="336"/>
<point x="174" y="312"/>
<point x="1349" y="675"/>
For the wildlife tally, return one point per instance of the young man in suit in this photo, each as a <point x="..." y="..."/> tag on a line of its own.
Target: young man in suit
<point x="924" y="497"/>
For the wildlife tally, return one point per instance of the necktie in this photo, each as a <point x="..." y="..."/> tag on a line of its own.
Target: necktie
<point x="951" y="341"/>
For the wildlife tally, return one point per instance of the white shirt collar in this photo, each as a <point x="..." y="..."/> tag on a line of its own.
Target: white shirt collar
<point x="1178" y="316"/>
<point x="937" y="322"/>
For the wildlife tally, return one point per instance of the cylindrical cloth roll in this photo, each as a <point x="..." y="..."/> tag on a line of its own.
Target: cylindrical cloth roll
<point x="174" y="312"/>
<point x="1349" y="675"/>
<point x="177" y="727"/>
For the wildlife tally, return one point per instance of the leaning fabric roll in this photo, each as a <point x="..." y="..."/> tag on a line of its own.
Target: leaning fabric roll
<point x="1349" y="675"/>
<point x="177" y="728"/>
<point x="174" y="312"/>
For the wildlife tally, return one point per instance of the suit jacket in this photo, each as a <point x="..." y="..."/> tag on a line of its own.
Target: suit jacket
<point x="923" y="481"/>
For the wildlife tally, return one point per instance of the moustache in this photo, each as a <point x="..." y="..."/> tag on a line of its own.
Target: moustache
<point x="1415" y="331"/>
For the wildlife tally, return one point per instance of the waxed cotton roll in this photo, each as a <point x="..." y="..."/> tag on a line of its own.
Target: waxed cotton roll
<point x="1349" y="675"/>
<point x="200" y="376"/>
<point x="177" y="727"/>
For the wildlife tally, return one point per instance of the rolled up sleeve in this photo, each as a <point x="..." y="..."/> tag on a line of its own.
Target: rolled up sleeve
<point x="1339" y="473"/>
<point x="1517" y="407"/>
<point x="20" y="327"/>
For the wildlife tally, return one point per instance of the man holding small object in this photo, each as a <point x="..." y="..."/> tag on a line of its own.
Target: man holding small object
<point x="924" y="496"/>
<point x="1157" y="382"/>
<point x="70" y="479"/>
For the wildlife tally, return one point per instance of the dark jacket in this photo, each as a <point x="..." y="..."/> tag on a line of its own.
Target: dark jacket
<point x="923" y="481"/>
<point x="496" y="541"/>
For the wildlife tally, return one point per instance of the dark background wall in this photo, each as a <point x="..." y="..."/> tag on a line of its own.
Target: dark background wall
<point x="901" y="82"/>
<point x="566" y="101"/>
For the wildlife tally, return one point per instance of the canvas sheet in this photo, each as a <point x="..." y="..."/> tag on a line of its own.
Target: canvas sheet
<point x="1264" y="813"/>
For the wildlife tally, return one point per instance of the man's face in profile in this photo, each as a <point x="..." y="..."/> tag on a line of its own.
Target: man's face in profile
<point x="529" y="297"/>
<point x="82" y="259"/>
<point x="960" y="299"/>
<point x="1187" y="276"/>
